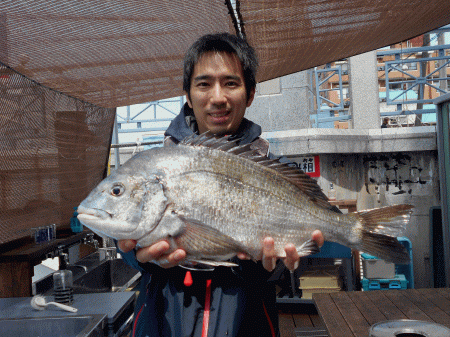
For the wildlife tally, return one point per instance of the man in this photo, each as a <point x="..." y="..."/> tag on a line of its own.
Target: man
<point x="219" y="81"/>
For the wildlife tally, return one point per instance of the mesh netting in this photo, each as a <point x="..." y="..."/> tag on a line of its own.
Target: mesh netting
<point x="116" y="53"/>
<point x="109" y="53"/>
<point x="53" y="150"/>
<point x="291" y="36"/>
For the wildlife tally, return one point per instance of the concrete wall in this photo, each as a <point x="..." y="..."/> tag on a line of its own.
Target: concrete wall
<point x="283" y="103"/>
<point x="318" y="141"/>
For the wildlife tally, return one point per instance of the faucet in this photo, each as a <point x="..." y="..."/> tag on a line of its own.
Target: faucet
<point x="65" y="259"/>
<point x="63" y="256"/>
<point x="89" y="240"/>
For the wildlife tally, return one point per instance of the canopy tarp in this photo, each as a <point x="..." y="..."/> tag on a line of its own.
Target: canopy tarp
<point x="123" y="52"/>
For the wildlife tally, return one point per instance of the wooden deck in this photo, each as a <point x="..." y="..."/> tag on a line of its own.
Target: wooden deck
<point x="300" y="321"/>
<point x="353" y="313"/>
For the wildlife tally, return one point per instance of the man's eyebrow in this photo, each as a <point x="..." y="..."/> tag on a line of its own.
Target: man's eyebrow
<point x="208" y="77"/>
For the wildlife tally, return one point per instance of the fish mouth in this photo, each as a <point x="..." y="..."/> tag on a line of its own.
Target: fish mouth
<point x="93" y="213"/>
<point x="104" y="223"/>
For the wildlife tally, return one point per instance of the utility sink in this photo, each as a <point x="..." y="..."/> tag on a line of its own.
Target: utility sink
<point x="94" y="275"/>
<point x="68" y="326"/>
<point x="111" y="275"/>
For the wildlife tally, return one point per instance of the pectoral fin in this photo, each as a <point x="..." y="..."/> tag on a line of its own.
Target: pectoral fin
<point x="207" y="245"/>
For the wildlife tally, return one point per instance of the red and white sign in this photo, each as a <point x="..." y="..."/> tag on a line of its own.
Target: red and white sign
<point x="310" y="165"/>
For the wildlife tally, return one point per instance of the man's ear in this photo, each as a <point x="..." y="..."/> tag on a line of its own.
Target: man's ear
<point x="188" y="100"/>
<point x="251" y="96"/>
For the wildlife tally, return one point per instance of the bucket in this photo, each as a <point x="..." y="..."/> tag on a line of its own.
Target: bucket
<point x="408" y="328"/>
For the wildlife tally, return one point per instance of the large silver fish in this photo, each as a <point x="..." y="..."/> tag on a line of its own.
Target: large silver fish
<point x="215" y="199"/>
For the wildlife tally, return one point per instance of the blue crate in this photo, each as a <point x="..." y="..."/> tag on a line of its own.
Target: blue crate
<point x="334" y="250"/>
<point x="402" y="269"/>
<point x="398" y="282"/>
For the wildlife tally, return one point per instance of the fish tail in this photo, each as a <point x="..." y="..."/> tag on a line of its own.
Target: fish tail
<point x="381" y="226"/>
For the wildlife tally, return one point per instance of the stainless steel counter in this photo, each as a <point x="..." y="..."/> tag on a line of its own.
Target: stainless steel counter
<point x="117" y="306"/>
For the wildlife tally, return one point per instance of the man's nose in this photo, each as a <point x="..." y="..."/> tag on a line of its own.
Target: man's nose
<point x="218" y="94"/>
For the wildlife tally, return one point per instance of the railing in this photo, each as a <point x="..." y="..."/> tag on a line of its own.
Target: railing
<point x="413" y="78"/>
<point x="416" y="75"/>
<point x="144" y="117"/>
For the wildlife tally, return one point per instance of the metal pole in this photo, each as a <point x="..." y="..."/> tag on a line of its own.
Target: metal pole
<point x="443" y="135"/>
<point x="116" y="141"/>
<point x="443" y="70"/>
<point x="423" y="75"/>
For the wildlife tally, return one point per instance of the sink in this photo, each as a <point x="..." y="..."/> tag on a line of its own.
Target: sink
<point x="92" y="275"/>
<point x="110" y="275"/>
<point x="68" y="326"/>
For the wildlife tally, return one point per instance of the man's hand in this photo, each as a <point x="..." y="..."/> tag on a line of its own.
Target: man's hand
<point x="154" y="253"/>
<point x="291" y="260"/>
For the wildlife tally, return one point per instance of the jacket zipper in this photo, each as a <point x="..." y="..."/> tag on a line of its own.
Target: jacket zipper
<point x="206" y="309"/>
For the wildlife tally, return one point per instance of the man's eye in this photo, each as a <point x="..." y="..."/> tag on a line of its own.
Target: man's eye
<point x="202" y="84"/>
<point x="231" y="84"/>
<point x="117" y="190"/>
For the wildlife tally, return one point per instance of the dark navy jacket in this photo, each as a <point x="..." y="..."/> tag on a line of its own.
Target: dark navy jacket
<point x="237" y="301"/>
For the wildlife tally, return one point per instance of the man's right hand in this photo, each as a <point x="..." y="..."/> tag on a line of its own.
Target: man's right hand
<point x="156" y="253"/>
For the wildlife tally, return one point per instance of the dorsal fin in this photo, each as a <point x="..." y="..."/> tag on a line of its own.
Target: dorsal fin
<point x="291" y="173"/>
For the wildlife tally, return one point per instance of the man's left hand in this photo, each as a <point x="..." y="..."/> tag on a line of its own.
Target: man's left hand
<point x="269" y="259"/>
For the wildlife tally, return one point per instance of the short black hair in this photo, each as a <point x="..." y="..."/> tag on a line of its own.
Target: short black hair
<point x="221" y="42"/>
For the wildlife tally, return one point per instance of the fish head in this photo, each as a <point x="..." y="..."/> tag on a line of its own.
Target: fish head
<point x="125" y="205"/>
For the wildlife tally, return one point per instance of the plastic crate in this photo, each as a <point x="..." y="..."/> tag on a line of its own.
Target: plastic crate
<point x="398" y="282"/>
<point x="400" y="269"/>
<point x="376" y="268"/>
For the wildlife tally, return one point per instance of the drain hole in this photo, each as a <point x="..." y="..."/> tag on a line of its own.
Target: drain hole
<point x="409" y="334"/>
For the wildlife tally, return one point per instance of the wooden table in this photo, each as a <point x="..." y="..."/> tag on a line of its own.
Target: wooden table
<point x="353" y="313"/>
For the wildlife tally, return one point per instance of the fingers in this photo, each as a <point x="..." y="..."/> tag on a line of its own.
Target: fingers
<point x="159" y="253"/>
<point x="292" y="259"/>
<point x="243" y="256"/>
<point x="318" y="237"/>
<point x="269" y="259"/>
<point x="126" y="245"/>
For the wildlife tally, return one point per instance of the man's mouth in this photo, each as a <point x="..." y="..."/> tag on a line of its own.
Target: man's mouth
<point x="219" y="113"/>
<point x="219" y="117"/>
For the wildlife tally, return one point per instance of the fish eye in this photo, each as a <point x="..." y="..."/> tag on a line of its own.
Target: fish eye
<point x="117" y="190"/>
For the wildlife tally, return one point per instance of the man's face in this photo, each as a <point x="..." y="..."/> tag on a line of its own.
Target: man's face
<point x="218" y="95"/>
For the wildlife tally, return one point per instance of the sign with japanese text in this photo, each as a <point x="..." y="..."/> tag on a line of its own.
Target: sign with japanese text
<point x="310" y="165"/>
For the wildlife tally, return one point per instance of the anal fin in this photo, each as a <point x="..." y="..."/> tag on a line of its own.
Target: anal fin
<point x="310" y="247"/>
<point x="194" y="264"/>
